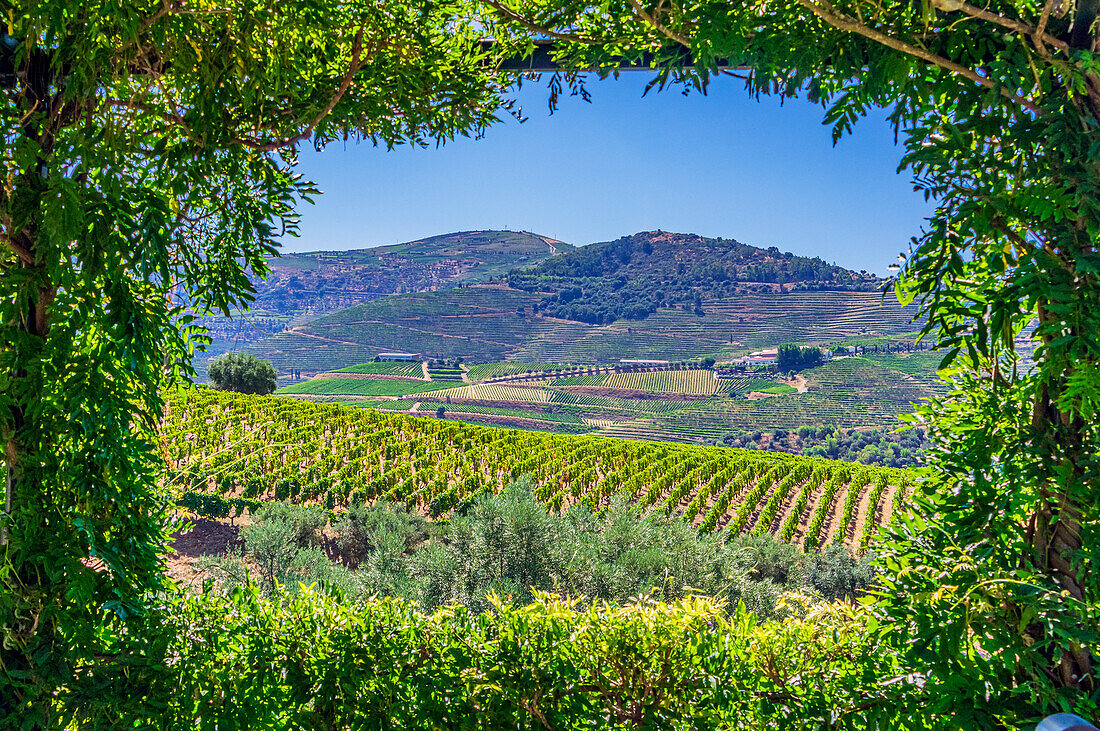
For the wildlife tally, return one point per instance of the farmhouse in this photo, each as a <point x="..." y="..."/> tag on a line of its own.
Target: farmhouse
<point x="398" y="356"/>
<point x="764" y="357"/>
<point x="756" y="360"/>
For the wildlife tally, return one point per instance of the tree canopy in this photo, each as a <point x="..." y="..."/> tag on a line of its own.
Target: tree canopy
<point x="148" y="152"/>
<point x="243" y="373"/>
<point x="996" y="593"/>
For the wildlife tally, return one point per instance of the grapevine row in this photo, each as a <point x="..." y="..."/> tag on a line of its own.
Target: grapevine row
<point x="248" y="448"/>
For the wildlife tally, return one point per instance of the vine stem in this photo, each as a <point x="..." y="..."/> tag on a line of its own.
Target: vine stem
<point x="7" y="505"/>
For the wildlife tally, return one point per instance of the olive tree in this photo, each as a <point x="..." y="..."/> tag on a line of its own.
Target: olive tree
<point x="148" y="156"/>
<point x="992" y="587"/>
<point x="242" y="372"/>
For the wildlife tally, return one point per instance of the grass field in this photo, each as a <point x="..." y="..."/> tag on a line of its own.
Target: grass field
<point x="357" y="387"/>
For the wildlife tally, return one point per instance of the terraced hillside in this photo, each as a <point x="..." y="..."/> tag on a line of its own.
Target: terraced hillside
<point x="330" y="280"/>
<point x="303" y="286"/>
<point x="492" y="324"/>
<point x="247" y="448"/>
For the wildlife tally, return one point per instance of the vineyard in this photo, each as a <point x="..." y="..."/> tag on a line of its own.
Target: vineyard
<point x="407" y="370"/>
<point x="445" y="373"/>
<point x="484" y="371"/>
<point x="853" y="392"/>
<point x="492" y="392"/>
<point x="693" y="382"/>
<point x="262" y="448"/>
<point x="427" y="407"/>
<point x="480" y="323"/>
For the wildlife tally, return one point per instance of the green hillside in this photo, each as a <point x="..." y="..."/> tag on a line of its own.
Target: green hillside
<point x="481" y="324"/>
<point x="330" y="454"/>
<point x="302" y="286"/>
<point x="632" y="277"/>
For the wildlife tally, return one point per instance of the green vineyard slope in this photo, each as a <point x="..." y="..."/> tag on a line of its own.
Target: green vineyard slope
<point x="263" y="448"/>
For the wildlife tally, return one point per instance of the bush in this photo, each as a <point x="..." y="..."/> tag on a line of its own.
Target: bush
<point x="363" y="530"/>
<point x="305" y="522"/>
<point x="283" y="545"/>
<point x="837" y="574"/>
<point x="313" y="661"/>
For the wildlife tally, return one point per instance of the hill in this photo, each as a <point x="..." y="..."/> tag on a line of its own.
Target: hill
<point x="490" y="323"/>
<point x="247" y="448"/>
<point x="302" y="286"/>
<point x="328" y="280"/>
<point x="631" y="277"/>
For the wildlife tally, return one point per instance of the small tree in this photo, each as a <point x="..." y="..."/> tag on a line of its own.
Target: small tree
<point x="243" y="373"/>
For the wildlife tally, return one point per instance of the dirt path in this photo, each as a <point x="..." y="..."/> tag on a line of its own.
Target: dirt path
<point x="207" y="538"/>
<point x="735" y="505"/>
<point x="836" y="514"/>
<point x="886" y="503"/>
<point x="808" y="514"/>
<point x="799" y="382"/>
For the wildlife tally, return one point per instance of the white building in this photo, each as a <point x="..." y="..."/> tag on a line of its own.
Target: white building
<point x="398" y="356"/>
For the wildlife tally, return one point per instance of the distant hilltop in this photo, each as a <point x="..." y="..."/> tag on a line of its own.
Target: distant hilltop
<point x="631" y="277"/>
<point x="331" y="280"/>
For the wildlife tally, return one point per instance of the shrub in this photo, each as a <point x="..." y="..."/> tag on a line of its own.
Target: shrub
<point x="837" y="574"/>
<point x="362" y="530"/>
<point x="304" y="522"/>
<point x="311" y="661"/>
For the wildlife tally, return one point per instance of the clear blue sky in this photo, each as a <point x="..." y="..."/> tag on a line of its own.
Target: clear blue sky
<point x="718" y="165"/>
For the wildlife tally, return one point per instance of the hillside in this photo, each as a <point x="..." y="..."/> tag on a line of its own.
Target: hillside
<point x="302" y="286"/>
<point x="327" y="280"/>
<point x="631" y="277"/>
<point x="493" y="323"/>
<point x="258" y="448"/>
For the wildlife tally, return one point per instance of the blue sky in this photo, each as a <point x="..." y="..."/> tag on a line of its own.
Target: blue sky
<point x="718" y="165"/>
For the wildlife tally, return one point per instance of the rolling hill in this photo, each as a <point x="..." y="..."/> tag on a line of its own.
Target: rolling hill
<point x="303" y="286"/>
<point x="631" y="277"/>
<point x="489" y="323"/>
<point x="328" y="280"/>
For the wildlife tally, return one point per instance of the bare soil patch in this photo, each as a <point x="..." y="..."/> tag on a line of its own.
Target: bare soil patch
<point x="206" y="537"/>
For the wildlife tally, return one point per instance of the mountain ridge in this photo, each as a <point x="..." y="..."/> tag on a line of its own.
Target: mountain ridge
<point x="328" y="280"/>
